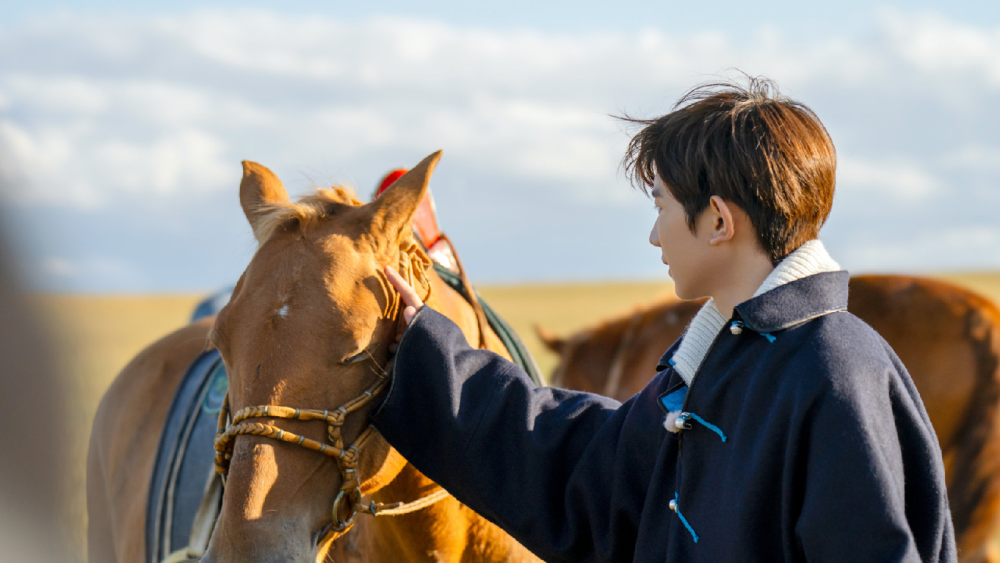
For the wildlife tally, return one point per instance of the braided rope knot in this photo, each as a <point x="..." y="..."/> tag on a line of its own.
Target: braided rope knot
<point x="350" y="456"/>
<point x="338" y="416"/>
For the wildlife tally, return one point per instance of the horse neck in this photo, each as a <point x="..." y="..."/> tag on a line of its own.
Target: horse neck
<point x="447" y="528"/>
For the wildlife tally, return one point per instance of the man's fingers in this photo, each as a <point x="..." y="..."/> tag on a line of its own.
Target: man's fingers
<point x="408" y="314"/>
<point x="409" y="295"/>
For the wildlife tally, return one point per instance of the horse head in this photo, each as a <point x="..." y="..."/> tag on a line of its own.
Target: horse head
<point x="305" y="341"/>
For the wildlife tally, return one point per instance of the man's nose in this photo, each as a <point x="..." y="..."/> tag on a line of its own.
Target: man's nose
<point x="654" y="237"/>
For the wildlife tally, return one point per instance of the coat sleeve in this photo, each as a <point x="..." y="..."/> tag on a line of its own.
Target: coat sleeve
<point x="872" y="473"/>
<point x="544" y="464"/>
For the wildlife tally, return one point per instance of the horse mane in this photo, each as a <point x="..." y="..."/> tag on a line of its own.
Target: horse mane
<point x="307" y="212"/>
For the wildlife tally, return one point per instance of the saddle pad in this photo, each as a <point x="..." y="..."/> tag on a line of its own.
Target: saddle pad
<point x="185" y="459"/>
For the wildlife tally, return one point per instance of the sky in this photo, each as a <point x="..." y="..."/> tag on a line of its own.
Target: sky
<point x="122" y="126"/>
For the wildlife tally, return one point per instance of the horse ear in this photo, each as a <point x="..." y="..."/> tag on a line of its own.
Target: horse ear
<point x="393" y="211"/>
<point x="550" y="340"/>
<point x="259" y="187"/>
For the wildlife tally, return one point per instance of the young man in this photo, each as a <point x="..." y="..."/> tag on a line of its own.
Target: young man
<point x="781" y="427"/>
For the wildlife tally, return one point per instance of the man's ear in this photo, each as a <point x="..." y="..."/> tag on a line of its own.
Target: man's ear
<point x="393" y="211"/>
<point x="720" y="217"/>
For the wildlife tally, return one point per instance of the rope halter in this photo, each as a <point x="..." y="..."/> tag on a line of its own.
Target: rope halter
<point x="347" y="504"/>
<point x="347" y="458"/>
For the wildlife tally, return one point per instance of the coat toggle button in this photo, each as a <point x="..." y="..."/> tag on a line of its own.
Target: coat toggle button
<point x="681" y="422"/>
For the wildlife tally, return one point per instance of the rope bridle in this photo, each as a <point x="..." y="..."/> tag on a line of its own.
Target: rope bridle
<point x="413" y="263"/>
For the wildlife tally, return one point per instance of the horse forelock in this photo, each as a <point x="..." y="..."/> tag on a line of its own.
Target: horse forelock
<point x="307" y="212"/>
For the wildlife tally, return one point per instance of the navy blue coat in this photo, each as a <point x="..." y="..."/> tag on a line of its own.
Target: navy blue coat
<point x="812" y="445"/>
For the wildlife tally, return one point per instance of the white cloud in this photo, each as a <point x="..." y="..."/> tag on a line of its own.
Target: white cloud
<point x="94" y="109"/>
<point x="935" y="45"/>
<point x="55" y="95"/>
<point x="184" y="158"/>
<point x="36" y="166"/>
<point x="905" y="180"/>
<point x="167" y="103"/>
<point x="976" y="157"/>
<point x="67" y="165"/>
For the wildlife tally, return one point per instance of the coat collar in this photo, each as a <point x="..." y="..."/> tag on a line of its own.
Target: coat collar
<point x="796" y="302"/>
<point x="806" y="284"/>
<point x="806" y="260"/>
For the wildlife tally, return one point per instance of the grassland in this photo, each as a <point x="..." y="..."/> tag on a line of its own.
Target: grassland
<point x="95" y="336"/>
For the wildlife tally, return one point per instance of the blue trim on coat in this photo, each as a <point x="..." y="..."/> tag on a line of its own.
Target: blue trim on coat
<point x="709" y="425"/>
<point x="677" y="509"/>
<point x="675" y="401"/>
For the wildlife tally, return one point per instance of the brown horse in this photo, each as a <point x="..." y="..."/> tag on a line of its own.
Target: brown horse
<point x="948" y="338"/>
<point x="308" y="326"/>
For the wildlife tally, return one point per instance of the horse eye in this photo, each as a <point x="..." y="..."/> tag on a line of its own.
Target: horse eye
<point x="356" y="357"/>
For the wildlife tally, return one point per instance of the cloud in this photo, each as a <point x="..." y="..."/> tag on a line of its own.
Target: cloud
<point x="976" y="157"/>
<point x="102" y="112"/>
<point x="67" y="165"/>
<point x="935" y="45"/>
<point x="534" y="103"/>
<point x="905" y="180"/>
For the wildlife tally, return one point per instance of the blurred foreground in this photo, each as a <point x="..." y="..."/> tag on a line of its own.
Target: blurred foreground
<point x="95" y="336"/>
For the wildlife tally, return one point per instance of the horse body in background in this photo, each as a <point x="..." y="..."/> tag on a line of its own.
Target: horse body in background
<point x="947" y="337"/>
<point x="308" y="326"/>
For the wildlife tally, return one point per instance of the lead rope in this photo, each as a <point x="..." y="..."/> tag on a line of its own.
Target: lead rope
<point x="401" y="508"/>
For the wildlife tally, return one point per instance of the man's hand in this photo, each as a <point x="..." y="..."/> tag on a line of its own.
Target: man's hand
<point x="410" y="297"/>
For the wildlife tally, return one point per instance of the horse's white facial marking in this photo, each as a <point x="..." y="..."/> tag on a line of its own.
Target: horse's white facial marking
<point x="283" y="312"/>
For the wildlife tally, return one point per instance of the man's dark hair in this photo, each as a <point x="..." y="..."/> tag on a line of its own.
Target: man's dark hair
<point x="769" y="155"/>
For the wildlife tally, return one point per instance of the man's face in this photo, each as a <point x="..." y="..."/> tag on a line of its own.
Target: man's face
<point x="680" y="249"/>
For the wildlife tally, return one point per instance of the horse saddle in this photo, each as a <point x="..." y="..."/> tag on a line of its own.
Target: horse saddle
<point x="185" y="494"/>
<point x="184" y="483"/>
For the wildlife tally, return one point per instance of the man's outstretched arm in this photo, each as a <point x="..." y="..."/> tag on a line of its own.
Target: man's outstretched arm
<point x="545" y="464"/>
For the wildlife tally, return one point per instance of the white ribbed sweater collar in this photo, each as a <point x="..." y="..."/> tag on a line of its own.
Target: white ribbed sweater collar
<point x="808" y="259"/>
